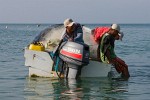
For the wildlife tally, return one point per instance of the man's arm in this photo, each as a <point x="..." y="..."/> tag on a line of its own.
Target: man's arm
<point x="79" y="33"/>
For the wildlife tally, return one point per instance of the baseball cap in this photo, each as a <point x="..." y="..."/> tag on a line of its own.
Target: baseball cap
<point x="68" y="22"/>
<point x="116" y="27"/>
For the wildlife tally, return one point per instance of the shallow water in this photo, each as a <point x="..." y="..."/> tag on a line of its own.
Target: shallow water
<point x="15" y="84"/>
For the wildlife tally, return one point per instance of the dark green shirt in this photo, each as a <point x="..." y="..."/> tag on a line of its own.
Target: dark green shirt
<point x="107" y="43"/>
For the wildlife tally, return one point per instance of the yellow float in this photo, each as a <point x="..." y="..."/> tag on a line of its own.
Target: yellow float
<point x="37" y="47"/>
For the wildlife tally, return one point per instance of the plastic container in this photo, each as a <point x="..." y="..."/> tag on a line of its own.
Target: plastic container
<point x="37" y="47"/>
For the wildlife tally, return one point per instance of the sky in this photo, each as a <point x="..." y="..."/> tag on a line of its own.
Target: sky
<point x="83" y="11"/>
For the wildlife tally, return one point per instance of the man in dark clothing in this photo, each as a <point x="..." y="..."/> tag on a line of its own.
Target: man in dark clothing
<point x="107" y="53"/>
<point x="73" y="31"/>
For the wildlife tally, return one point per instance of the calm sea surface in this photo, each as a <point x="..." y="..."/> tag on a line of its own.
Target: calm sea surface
<point x="16" y="85"/>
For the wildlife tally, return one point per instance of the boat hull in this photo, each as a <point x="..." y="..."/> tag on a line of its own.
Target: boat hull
<point x="40" y="64"/>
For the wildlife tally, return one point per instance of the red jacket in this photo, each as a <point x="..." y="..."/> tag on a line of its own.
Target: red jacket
<point x="99" y="31"/>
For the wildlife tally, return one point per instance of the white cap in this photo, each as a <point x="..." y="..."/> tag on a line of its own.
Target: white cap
<point x="115" y="27"/>
<point x="68" y="22"/>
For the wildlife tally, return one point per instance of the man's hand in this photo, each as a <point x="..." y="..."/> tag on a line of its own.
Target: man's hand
<point x="70" y="39"/>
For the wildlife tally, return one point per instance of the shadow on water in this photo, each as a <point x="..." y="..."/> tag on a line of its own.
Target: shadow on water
<point x="84" y="88"/>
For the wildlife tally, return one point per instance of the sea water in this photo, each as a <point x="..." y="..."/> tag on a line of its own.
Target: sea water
<point x="16" y="85"/>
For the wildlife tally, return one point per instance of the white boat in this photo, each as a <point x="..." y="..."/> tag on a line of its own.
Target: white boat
<point x="40" y="62"/>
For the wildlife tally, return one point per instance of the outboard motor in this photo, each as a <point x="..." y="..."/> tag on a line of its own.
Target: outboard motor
<point x="75" y="56"/>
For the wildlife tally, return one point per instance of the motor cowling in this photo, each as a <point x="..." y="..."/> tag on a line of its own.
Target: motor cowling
<point x="75" y="55"/>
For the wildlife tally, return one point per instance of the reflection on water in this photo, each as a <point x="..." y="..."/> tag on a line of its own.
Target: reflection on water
<point x="85" y="88"/>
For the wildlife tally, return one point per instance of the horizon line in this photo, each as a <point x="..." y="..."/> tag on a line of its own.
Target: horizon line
<point x="80" y="23"/>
